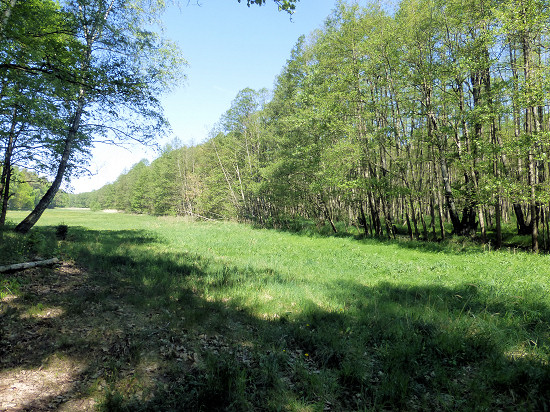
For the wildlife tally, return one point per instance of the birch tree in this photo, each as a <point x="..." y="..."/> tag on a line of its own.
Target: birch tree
<point x="120" y="71"/>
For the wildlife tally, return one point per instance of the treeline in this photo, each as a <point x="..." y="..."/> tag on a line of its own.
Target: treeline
<point x="26" y="189"/>
<point x="438" y="114"/>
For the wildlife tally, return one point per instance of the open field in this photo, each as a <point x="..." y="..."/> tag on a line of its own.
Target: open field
<point x="151" y="313"/>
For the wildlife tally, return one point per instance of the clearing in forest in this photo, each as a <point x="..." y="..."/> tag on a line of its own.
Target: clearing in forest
<point x="150" y="313"/>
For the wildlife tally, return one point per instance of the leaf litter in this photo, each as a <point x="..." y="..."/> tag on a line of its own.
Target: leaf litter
<point x="63" y="339"/>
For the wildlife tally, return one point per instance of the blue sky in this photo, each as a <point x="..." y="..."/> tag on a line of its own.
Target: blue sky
<point x="228" y="47"/>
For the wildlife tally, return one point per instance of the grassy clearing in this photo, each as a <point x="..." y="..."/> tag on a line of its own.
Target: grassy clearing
<point x="221" y="316"/>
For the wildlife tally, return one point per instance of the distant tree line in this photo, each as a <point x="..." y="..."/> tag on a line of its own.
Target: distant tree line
<point x="26" y="190"/>
<point x="436" y="115"/>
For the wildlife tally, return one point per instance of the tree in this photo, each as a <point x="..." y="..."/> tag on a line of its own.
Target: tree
<point x="119" y="72"/>
<point x="35" y="36"/>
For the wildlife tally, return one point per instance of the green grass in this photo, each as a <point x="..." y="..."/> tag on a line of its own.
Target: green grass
<point x="294" y="322"/>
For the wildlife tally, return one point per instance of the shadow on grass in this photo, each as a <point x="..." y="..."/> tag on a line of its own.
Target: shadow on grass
<point x="145" y="337"/>
<point x="465" y="347"/>
<point x="452" y="244"/>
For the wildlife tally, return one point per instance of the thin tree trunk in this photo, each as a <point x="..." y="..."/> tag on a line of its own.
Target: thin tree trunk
<point x="409" y="229"/>
<point x="498" y="220"/>
<point x="481" y="218"/>
<point x="328" y="216"/>
<point x="7" y="169"/>
<point x="432" y="216"/>
<point x="413" y="217"/>
<point x="457" y="226"/>
<point x="364" y="220"/>
<point x="424" y="227"/>
<point x="531" y="122"/>
<point x="5" y="193"/>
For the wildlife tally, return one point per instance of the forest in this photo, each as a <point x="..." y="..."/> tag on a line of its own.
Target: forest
<point x="429" y="121"/>
<point x="27" y="188"/>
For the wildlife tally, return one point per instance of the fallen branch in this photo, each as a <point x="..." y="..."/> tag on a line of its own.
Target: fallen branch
<point x="28" y="265"/>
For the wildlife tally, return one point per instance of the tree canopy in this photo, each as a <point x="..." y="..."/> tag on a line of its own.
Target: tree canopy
<point x="78" y="72"/>
<point x="429" y="122"/>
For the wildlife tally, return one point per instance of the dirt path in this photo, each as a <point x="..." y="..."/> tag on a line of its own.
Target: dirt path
<point x="63" y="338"/>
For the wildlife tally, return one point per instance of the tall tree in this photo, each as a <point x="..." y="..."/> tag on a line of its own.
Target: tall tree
<point x="121" y="70"/>
<point x="35" y="36"/>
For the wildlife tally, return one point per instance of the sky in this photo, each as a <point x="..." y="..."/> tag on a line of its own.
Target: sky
<point x="228" y="47"/>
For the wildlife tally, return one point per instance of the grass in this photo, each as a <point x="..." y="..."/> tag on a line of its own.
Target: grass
<point x="222" y="316"/>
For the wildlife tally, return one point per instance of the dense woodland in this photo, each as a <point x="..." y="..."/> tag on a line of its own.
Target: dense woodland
<point x="27" y="188"/>
<point x="436" y="115"/>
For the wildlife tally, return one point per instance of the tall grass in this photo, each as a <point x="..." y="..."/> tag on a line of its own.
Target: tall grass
<point x="324" y="322"/>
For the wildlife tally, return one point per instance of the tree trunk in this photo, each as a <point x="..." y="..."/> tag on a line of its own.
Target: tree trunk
<point x="498" y="220"/>
<point x="375" y="216"/>
<point x="7" y="169"/>
<point x="42" y="205"/>
<point x="364" y="220"/>
<point x="28" y="265"/>
<point x="5" y="192"/>
<point x="432" y="216"/>
<point x="424" y="227"/>
<point x="449" y="199"/>
<point x="328" y="215"/>
<point x="533" y="204"/>
<point x="409" y="229"/>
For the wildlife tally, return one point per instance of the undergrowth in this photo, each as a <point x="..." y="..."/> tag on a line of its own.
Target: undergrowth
<point x="40" y="243"/>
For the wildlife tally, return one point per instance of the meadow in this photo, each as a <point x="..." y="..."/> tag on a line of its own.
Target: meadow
<point x="162" y="313"/>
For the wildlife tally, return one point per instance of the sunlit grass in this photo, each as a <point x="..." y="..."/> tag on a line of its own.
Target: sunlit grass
<point x="333" y="320"/>
<point x="39" y="311"/>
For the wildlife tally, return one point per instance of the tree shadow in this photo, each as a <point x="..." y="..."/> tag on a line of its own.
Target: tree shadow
<point x="136" y="327"/>
<point x="472" y="348"/>
<point x="453" y="245"/>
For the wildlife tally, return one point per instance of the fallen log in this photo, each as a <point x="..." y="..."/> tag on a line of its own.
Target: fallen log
<point x="28" y="265"/>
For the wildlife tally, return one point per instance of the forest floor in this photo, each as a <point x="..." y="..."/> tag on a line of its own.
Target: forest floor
<point x="35" y="374"/>
<point x="218" y="316"/>
<point x="61" y="347"/>
<point x="51" y="358"/>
